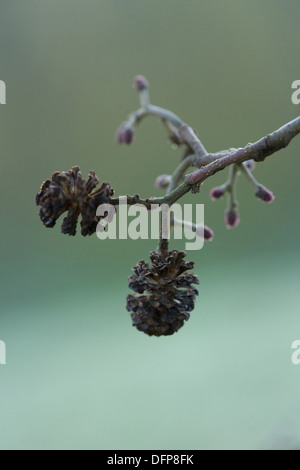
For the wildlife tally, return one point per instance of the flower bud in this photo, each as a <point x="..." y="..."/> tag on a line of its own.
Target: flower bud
<point x="208" y="234"/>
<point x="140" y="83"/>
<point x="265" y="194"/>
<point x="232" y="218"/>
<point x="125" y="135"/>
<point x="162" y="181"/>
<point x="250" y="164"/>
<point x="217" y="193"/>
<point x="201" y="230"/>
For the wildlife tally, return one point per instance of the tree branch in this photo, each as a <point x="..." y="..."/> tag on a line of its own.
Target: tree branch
<point x="213" y="163"/>
<point x="195" y="154"/>
<point x="258" y="151"/>
<point x="176" y="185"/>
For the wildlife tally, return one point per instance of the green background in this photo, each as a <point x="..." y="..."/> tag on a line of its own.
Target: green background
<point x="78" y="375"/>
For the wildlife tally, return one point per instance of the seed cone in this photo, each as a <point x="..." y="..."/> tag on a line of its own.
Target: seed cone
<point x="164" y="293"/>
<point x="67" y="191"/>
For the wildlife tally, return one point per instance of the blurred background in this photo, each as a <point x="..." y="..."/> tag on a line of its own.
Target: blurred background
<point x="78" y="375"/>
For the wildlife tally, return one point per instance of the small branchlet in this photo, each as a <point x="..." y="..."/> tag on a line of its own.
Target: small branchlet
<point x="232" y="218"/>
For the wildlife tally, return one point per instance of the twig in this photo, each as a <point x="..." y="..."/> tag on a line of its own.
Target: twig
<point x="258" y="151"/>
<point x="189" y="136"/>
<point x="195" y="154"/>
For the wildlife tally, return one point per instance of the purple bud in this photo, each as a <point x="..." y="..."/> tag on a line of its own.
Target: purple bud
<point x="250" y="165"/>
<point x="162" y="181"/>
<point x="264" y="194"/>
<point x="232" y="218"/>
<point x="125" y="135"/>
<point x="217" y="193"/>
<point x="140" y="83"/>
<point x="208" y="234"/>
<point x="202" y="231"/>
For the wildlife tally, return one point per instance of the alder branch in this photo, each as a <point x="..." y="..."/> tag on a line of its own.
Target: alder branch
<point x="257" y="151"/>
<point x="69" y="192"/>
<point x="212" y="163"/>
<point x="195" y="154"/>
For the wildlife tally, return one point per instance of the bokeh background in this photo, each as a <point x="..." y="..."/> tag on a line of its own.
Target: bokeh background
<point x="78" y="375"/>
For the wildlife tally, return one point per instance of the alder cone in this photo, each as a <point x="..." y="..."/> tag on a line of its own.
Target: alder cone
<point x="68" y="192"/>
<point x="164" y="293"/>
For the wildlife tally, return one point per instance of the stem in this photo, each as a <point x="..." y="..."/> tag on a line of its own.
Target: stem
<point x="163" y="242"/>
<point x="144" y="98"/>
<point x="180" y="172"/>
<point x="150" y="109"/>
<point x="187" y="133"/>
<point x="231" y="186"/>
<point x="249" y="175"/>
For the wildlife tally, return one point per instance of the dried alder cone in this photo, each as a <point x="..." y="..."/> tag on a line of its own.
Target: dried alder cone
<point x="68" y="192"/>
<point x="164" y="293"/>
